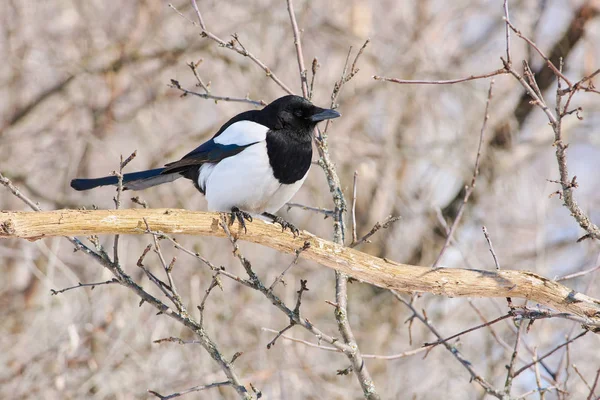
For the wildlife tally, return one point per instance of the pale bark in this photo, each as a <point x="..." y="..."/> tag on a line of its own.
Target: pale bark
<point x="451" y="282"/>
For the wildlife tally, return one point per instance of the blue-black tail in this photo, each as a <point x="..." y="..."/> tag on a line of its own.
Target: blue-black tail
<point x="134" y="181"/>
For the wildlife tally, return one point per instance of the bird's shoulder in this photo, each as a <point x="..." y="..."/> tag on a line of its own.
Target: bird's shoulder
<point x="244" y="128"/>
<point x="235" y="135"/>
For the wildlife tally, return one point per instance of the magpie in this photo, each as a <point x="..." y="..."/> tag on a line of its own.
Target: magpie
<point x="252" y="166"/>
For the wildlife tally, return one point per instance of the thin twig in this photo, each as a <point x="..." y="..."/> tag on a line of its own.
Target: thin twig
<point x="190" y="390"/>
<point x="513" y="358"/>
<point x="487" y="323"/>
<point x="455" y="352"/>
<point x="298" y="45"/>
<point x="491" y="247"/>
<point x="326" y="212"/>
<point x="581" y="376"/>
<point x="14" y="190"/>
<point x="314" y="68"/>
<point x="556" y="71"/>
<point x="440" y="82"/>
<point x="174" y="295"/>
<point x="471" y="187"/>
<point x="194" y="67"/>
<point x="354" y="184"/>
<point x="592" y="395"/>
<point x="296" y="312"/>
<point x="231" y="45"/>
<point x="117" y="199"/>
<point x="538" y="377"/>
<point x="407" y="353"/>
<point x="214" y="283"/>
<point x="79" y="285"/>
<point x="176" y="85"/>
<point x="549" y="353"/>
<point x="378" y="225"/>
<point x="173" y="339"/>
<point x="294" y="262"/>
<point x="279" y="333"/>
<point x="507" y="19"/>
<point x="556" y="123"/>
<point x="577" y="274"/>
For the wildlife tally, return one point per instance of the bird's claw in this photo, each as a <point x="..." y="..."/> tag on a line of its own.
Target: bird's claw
<point x="287" y="225"/>
<point x="241" y="216"/>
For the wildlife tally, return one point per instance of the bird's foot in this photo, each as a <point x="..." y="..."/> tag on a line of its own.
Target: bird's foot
<point x="284" y="224"/>
<point x="241" y="216"/>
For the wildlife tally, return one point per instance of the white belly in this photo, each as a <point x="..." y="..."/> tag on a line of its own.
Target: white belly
<point x="245" y="181"/>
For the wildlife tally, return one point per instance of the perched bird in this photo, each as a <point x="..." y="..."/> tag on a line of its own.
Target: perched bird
<point x="253" y="165"/>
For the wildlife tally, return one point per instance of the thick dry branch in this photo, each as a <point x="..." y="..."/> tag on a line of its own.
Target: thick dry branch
<point x="377" y="271"/>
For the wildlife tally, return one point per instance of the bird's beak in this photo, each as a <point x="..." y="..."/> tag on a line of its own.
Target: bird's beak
<point x="323" y="114"/>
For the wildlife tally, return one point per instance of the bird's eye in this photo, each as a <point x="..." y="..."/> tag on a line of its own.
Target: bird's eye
<point x="298" y="113"/>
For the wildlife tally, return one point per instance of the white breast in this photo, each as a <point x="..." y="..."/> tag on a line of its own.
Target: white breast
<point x="245" y="181"/>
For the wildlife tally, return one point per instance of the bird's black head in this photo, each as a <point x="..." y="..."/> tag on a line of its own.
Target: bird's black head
<point x="296" y="114"/>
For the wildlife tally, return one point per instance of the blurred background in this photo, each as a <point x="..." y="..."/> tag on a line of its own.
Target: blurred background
<point x="85" y="82"/>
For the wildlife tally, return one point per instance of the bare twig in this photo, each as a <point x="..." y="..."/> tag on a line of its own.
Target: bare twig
<point x="14" y="190"/>
<point x="214" y="283"/>
<point x="471" y="187"/>
<point x="327" y="213"/>
<point x="506" y="18"/>
<point x="354" y="238"/>
<point x="92" y="285"/>
<point x="378" y="225"/>
<point x="176" y="85"/>
<point x="556" y="123"/>
<point x="296" y="313"/>
<point x="489" y="241"/>
<point x="298" y="45"/>
<point x="234" y="45"/>
<point x="117" y="199"/>
<point x="194" y="67"/>
<point x="556" y="71"/>
<point x="190" y="390"/>
<point x="592" y="394"/>
<point x="279" y="333"/>
<point x="581" y="376"/>
<point x="365" y="356"/>
<point x="513" y="358"/>
<point x="294" y="262"/>
<point x="577" y="274"/>
<point x="524" y="368"/>
<point x="440" y="82"/>
<point x="173" y="339"/>
<point x="487" y="323"/>
<point x="315" y="68"/>
<point x="538" y="377"/>
<point x="452" y="349"/>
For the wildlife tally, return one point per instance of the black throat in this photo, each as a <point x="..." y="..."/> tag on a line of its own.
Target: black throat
<point x="289" y="154"/>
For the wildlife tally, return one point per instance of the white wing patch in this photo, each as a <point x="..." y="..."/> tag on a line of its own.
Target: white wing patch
<point x="203" y="175"/>
<point x="242" y="133"/>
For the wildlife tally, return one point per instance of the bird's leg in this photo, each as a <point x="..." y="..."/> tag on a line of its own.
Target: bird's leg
<point x="241" y="216"/>
<point x="284" y="224"/>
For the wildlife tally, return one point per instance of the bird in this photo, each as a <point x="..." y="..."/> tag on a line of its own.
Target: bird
<point x="252" y="166"/>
